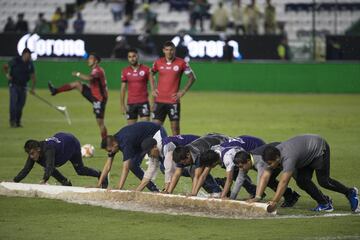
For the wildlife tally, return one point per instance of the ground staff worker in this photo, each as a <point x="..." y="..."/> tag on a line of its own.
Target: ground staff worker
<point x="18" y="72"/>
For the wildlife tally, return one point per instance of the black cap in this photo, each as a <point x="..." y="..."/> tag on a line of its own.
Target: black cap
<point x="148" y="144"/>
<point x="26" y="50"/>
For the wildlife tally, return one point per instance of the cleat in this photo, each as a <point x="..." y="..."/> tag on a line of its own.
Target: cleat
<point x="52" y="88"/>
<point x="324" y="208"/>
<point x="292" y="201"/>
<point x="354" y="200"/>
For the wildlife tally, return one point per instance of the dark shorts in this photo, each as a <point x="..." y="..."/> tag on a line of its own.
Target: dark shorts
<point x="98" y="106"/>
<point x="138" y="109"/>
<point x="170" y="109"/>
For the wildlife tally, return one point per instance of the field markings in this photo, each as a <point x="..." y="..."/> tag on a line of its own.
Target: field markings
<point x="139" y="208"/>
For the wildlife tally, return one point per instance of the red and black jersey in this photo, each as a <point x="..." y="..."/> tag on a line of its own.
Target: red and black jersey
<point x="98" y="84"/>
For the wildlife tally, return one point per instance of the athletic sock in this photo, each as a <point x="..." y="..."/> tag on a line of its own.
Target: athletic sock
<point x="104" y="133"/>
<point x="64" y="88"/>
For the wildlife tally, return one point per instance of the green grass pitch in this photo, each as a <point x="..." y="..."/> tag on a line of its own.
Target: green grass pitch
<point x="274" y="117"/>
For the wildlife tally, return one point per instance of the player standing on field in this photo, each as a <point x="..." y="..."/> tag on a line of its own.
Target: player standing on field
<point x="167" y="93"/>
<point x="95" y="92"/>
<point x="136" y="77"/>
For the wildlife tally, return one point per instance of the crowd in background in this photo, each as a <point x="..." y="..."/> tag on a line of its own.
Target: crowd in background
<point x="228" y="14"/>
<point x="58" y="24"/>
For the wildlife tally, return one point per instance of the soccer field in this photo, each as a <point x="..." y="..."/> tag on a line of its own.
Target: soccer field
<point x="273" y="117"/>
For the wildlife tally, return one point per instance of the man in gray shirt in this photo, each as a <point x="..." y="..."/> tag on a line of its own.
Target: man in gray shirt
<point x="253" y="160"/>
<point x="187" y="158"/>
<point x="299" y="157"/>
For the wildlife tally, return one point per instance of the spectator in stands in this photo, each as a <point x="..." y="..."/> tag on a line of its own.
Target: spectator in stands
<point x="283" y="49"/>
<point x="150" y="19"/>
<point x="178" y="5"/>
<point x="41" y="25"/>
<point x="220" y="18"/>
<point x="147" y="45"/>
<point x="129" y="9"/>
<point x="9" y="26"/>
<point x="198" y="12"/>
<point x="117" y="8"/>
<point x="237" y="13"/>
<point x="79" y="24"/>
<point x="128" y="27"/>
<point x="251" y="18"/>
<point x="270" y="18"/>
<point x="54" y="20"/>
<point x="62" y="24"/>
<point x="21" y="24"/>
<point x="121" y="48"/>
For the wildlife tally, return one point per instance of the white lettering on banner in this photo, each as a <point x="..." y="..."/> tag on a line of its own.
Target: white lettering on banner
<point x="203" y="48"/>
<point x="48" y="47"/>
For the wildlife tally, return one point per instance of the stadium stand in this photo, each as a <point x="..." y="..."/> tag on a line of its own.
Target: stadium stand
<point x="294" y="15"/>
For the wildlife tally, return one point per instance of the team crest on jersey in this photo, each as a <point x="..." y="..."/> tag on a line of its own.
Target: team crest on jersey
<point x="141" y="73"/>
<point x="176" y="68"/>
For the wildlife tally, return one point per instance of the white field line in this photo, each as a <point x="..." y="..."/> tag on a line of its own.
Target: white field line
<point x="348" y="237"/>
<point x="130" y="206"/>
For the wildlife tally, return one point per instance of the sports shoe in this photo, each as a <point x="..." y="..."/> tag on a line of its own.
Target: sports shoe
<point x="328" y="207"/>
<point x="215" y="195"/>
<point x="66" y="182"/>
<point x="291" y="202"/>
<point x="354" y="199"/>
<point x="52" y="88"/>
<point x="324" y="208"/>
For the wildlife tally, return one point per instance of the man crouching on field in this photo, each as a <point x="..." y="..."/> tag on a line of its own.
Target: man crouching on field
<point x="55" y="152"/>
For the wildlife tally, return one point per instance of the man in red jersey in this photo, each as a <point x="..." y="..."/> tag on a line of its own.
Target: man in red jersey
<point x="95" y="92"/>
<point x="167" y="93"/>
<point x="136" y="77"/>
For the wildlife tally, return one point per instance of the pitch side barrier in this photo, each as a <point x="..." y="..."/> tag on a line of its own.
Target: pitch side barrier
<point x="258" y="77"/>
<point x="139" y="201"/>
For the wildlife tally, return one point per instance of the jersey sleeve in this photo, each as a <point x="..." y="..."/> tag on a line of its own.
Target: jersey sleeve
<point x="128" y="153"/>
<point x="151" y="171"/>
<point x="49" y="155"/>
<point x="170" y="166"/>
<point x="154" y="68"/>
<point x="123" y="76"/>
<point x="289" y="164"/>
<point x="25" y="171"/>
<point x="238" y="184"/>
<point x="95" y="74"/>
<point x="228" y="160"/>
<point x="186" y="68"/>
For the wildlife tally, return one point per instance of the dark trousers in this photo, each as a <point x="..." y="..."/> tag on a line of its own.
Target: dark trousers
<point x="135" y="165"/>
<point x="273" y="184"/>
<point x="80" y="168"/>
<point x="17" y="103"/>
<point x="210" y="185"/>
<point x="135" y="168"/>
<point x="247" y="184"/>
<point x="304" y="176"/>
